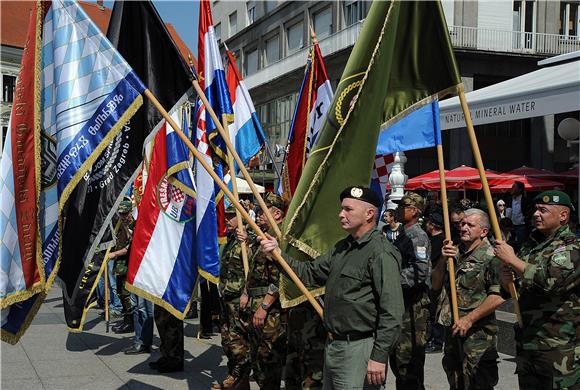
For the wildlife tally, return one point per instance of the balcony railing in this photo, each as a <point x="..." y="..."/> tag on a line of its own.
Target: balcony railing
<point x="461" y="37"/>
<point x="512" y="41"/>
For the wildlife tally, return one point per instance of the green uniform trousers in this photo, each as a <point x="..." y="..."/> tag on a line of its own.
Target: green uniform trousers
<point x="170" y="331"/>
<point x="345" y="364"/>
<point x="546" y="370"/>
<point x="235" y="339"/>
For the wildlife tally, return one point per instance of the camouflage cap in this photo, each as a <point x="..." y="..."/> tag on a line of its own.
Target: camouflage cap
<point x="231" y="209"/>
<point x="554" y="197"/>
<point x="125" y="206"/>
<point x="412" y="199"/>
<point x="277" y="201"/>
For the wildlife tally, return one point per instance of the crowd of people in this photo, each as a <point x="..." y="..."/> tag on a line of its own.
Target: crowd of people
<point x="388" y="297"/>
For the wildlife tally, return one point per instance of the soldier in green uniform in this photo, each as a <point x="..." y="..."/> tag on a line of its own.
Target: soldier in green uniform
<point x="548" y="264"/>
<point x="268" y="329"/>
<point x="120" y="255"/>
<point x="305" y="353"/>
<point x="170" y="329"/>
<point x="234" y="328"/>
<point x="363" y="300"/>
<point x="470" y="354"/>
<point x="408" y="359"/>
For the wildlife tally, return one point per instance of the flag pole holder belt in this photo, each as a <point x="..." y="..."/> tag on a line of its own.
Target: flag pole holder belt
<point x="351" y="336"/>
<point x="257" y="291"/>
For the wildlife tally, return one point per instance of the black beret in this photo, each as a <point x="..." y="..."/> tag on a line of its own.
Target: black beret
<point x="362" y="193"/>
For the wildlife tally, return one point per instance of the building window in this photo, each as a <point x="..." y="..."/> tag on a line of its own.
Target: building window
<point x="218" y="32"/>
<point x="272" y="50"/>
<point x="233" y="20"/>
<point x="8" y="83"/>
<point x="250" y="62"/>
<point x="269" y="5"/>
<point x="354" y="11"/>
<point x="251" y="14"/>
<point x="569" y="18"/>
<point x="295" y="36"/>
<point x="276" y="118"/>
<point x="323" y="23"/>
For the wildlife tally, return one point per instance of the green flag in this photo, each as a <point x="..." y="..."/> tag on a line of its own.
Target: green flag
<point x="402" y="57"/>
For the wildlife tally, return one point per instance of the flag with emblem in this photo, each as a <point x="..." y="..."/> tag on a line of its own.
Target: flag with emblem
<point x="141" y="37"/>
<point x="402" y="58"/>
<point x="380" y="174"/>
<point x="87" y="93"/>
<point x="162" y="264"/>
<point x="312" y="106"/>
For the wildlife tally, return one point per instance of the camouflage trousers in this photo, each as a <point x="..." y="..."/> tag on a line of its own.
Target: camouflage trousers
<point x="170" y="331"/>
<point x="125" y="297"/>
<point x="471" y="362"/>
<point x="408" y="359"/>
<point x="553" y="369"/>
<point x="305" y="353"/>
<point x="235" y="339"/>
<point x="268" y="347"/>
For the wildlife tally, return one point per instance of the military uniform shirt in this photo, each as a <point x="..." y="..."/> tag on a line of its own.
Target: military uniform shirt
<point x="549" y="300"/>
<point x="263" y="274"/>
<point x="363" y="293"/>
<point x="476" y="277"/>
<point x="232" y="277"/>
<point x="414" y="274"/>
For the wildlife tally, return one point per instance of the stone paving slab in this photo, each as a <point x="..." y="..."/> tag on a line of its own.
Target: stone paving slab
<point x="49" y="357"/>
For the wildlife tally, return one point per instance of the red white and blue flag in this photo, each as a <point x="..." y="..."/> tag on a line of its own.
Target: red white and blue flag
<point x="162" y="264"/>
<point x="313" y="103"/>
<point x="210" y="216"/>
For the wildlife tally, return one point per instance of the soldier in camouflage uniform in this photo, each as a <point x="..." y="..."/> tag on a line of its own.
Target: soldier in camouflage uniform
<point x="470" y="353"/>
<point x="234" y="326"/>
<point x="548" y="352"/>
<point x="305" y="352"/>
<point x="408" y="359"/>
<point x="170" y="329"/>
<point x="120" y="255"/>
<point x="268" y="329"/>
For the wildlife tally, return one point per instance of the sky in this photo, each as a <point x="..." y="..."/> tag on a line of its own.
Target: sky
<point x="183" y="14"/>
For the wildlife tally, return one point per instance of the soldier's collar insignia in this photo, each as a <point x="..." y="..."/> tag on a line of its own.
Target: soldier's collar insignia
<point x="356" y="192"/>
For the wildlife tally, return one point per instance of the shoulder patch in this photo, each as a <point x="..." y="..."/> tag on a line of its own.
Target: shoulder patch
<point x="422" y="252"/>
<point x="560" y="259"/>
<point x="559" y="249"/>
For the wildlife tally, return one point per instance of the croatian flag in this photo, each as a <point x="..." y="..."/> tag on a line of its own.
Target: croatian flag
<point x="162" y="263"/>
<point x="213" y="82"/>
<point x="246" y="131"/>
<point x="313" y="103"/>
<point x="420" y="128"/>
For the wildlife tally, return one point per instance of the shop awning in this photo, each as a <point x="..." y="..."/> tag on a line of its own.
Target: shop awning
<point x="550" y="90"/>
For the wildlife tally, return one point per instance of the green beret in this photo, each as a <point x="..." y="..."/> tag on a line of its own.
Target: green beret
<point x="362" y="193"/>
<point x="554" y="197"/>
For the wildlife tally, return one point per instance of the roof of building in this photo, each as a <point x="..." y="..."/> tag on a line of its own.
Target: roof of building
<point x="15" y="17"/>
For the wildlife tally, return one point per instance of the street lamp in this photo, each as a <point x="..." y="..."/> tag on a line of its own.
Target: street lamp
<point x="569" y="129"/>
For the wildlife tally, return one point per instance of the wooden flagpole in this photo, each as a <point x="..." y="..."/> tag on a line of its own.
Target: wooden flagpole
<point x="232" y="169"/>
<point x="447" y="227"/>
<point x="107" y="291"/>
<point x="277" y="256"/>
<point x="486" y="191"/>
<point x="237" y="158"/>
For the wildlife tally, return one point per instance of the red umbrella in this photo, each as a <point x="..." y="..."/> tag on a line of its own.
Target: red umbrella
<point x="533" y="172"/>
<point x="460" y="178"/>
<point x="530" y="183"/>
<point x="569" y="177"/>
<point x="419" y="182"/>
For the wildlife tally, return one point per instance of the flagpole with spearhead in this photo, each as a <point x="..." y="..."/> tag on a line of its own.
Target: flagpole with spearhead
<point x="237" y="158"/>
<point x="486" y="191"/>
<point x="232" y="169"/>
<point x="277" y="256"/>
